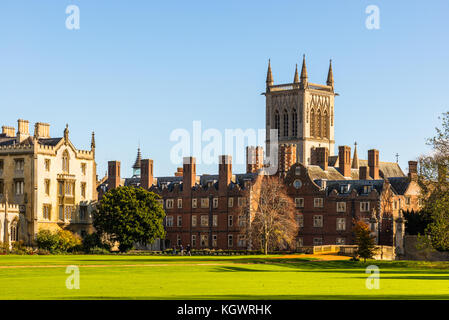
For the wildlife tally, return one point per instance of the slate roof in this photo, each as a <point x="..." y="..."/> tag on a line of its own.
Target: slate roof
<point x="357" y="185"/>
<point x="49" y="141"/>
<point x="201" y="181"/>
<point x="399" y="184"/>
<point x="386" y="170"/>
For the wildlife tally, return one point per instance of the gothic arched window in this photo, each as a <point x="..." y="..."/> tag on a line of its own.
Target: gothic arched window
<point x="312" y="122"/>
<point x="326" y="125"/>
<point x="14" y="234"/>
<point x="294" y="123"/>
<point x="277" y="122"/>
<point x="65" y="161"/>
<point x="319" y="124"/>
<point x="285" y="132"/>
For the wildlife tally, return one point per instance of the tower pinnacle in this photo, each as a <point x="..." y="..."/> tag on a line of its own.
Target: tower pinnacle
<point x="330" y="75"/>
<point x="304" y="70"/>
<point x="296" y="78"/>
<point x="355" y="159"/>
<point x="269" y="75"/>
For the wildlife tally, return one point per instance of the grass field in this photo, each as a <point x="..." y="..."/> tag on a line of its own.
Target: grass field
<point x="200" y="277"/>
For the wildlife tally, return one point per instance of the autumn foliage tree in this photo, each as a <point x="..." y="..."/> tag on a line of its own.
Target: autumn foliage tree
<point x="130" y="215"/>
<point x="365" y="242"/>
<point x="272" y="224"/>
<point x="434" y="184"/>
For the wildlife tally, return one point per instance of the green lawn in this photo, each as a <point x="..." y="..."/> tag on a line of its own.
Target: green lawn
<point x="236" y="277"/>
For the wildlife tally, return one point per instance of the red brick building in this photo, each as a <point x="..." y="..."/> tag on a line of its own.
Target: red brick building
<point x="208" y="211"/>
<point x="330" y="191"/>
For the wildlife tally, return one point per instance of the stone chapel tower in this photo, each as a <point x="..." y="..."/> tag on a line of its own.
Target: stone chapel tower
<point x="302" y="112"/>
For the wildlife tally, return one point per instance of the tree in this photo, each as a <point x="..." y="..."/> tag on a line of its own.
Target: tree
<point x="129" y="215"/>
<point x="434" y="184"/>
<point x="273" y="223"/>
<point x="364" y="241"/>
<point x="416" y="222"/>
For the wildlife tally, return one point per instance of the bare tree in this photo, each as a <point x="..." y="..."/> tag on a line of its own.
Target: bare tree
<point x="272" y="223"/>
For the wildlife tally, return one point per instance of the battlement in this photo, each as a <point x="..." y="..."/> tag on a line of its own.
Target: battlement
<point x="12" y="208"/>
<point x="16" y="147"/>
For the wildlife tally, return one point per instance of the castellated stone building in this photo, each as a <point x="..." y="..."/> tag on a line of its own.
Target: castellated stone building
<point x="45" y="183"/>
<point x="301" y="112"/>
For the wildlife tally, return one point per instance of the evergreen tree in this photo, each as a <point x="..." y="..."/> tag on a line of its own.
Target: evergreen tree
<point x="129" y="215"/>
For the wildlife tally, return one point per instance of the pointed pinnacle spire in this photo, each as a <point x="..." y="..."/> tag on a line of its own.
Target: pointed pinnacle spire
<point x="330" y="75"/>
<point x="296" y="79"/>
<point x="92" y="141"/>
<point x="138" y="159"/>
<point x="304" y="70"/>
<point x="355" y="159"/>
<point x="269" y="75"/>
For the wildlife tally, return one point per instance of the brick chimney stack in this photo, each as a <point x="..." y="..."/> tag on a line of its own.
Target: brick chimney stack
<point x="113" y="174"/>
<point x="178" y="172"/>
<point x="188" y="175"/>
<point x="344" y="160"/>
<point x="322" y="157"/>
<point x="373" y="164"/>
<point x="363" y="173"/>
<point x="146" y="173"/>
<point x="287" y="157"/>
<point x="413" y="170"/>
<point x="254" y="159"/>
<point x="224" y="173"/>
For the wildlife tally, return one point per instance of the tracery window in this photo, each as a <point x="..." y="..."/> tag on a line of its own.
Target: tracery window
<point x="319" y="124"/>
<point x="285" y="131"/>
<point x="294" y="123"/>
<point x="326" y="125"/>
<point x="312" y="123"/>
<point x="65" y="161"/>
<point x="277" y="121"/>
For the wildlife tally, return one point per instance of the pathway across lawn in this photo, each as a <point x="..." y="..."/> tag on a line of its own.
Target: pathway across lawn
<point x="217" y="277"/>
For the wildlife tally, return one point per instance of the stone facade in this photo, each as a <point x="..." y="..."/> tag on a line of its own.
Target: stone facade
<point x="52" y="182"/>
<point x="302" y="112"/>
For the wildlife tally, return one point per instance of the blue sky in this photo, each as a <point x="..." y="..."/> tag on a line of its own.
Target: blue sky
<point x="136" y="70"/>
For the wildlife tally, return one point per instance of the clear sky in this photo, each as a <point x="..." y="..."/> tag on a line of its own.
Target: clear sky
<point x="137" y="70"/>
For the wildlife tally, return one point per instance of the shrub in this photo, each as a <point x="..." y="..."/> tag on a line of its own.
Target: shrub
<point x="95" y="241"/>
<point x="4" y="248"/>
<point x="43" y="252"/>
<point x="18" y="247"/>
<point x="61" y="241"/>
<point x="68" y="241"/>
<point x="99" y="250"/>
<point x="47" y="240"/>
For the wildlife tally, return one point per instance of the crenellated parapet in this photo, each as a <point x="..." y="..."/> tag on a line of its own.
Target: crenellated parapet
<point x="11" y="208"/>
<point x="16" y="148"/>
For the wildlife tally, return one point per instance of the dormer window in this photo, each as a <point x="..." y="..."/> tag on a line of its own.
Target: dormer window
<point x="367" y="189"/>
<point x="344" y="188"/>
